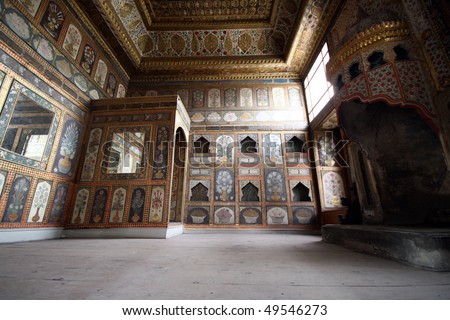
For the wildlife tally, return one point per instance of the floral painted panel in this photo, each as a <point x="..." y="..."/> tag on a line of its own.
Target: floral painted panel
<point x="333" y="189"/>
<point x="40" y="201"/>
<point x="53" y="20"/>
<point x="295" y="100"/>
<point x="90" y="159"/>
<point x="184" y="96"/>
<point x="246" y="97"/>
<point x="17" y="199"/>
<point x="224" y="185"/>
<point x="224" y="150"/>
<point x="137" y="205"/>
<point x="277" y="215"/>
<point x="278" y="97"/>
<point x="3" y="176"/>
<point x="230" y="98"/>
<point x="68" y="148"/>
<point x="275" y="185"/>
<point x="18" y="23"/>
<point x="161" y="154"/>
<point x="79" y="209"/>
<point x="223" y="215"/>
<point x="118" y="205"/>
<point x="198" y="215"/>
<point x="157" y="204"/>
<point x="32" y="6"/>
<point x="43" y="47"/>
<point x="111" y="85"/>
<point x="198" y="99"/>
<point x="121" y="91"/>
<point x="72" y="41"/>
<point x="100" y="74"/>
<point x="87" y="58"/>
<point x="59" y="203"/>
<point x="250" y="215"/>
<point x="99" y="205"/>
<point x="304" y="215"/>
<point x="262" y="97"/>
<point x="272" y="149"/>
<point x="214" y="98"/>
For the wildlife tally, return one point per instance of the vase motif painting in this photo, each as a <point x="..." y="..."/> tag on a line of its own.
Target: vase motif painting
<point x="87" y="58"/>
<point x="224" y="150"/>
<point x="99" y="205"/>
<point x="100" y="74"/>
<point x="111" y="85"/>
<point x="79" y="208"/>
<point x="137" y="206"/>
<point x="157" y="204"/>
<point x="246" y="97"/>
<point x="224" y="183"/>
<point x="250" y="215"/>
<point x="118" y="205"/>
<point x="272" y="149"/>
<point x="91" y="156"/>
<point x="161" y="153"/>
<point x="59" y="202"/>
<point x="230" y="98"/>
<point x="262" y="97"/>
<point x="68" y="148"/>
<point x="278" y="97"/>
<point x="17" y="199"/>
<point x="72" y="41"/>
<point x="40" y="200"/>
<point x="53" y="20"/>
<point x="121" y="91"/>
<point x="333" y="189"/>
<point x="198" y="215"/>
<point x="214" y="98"/>
<point x="223" y="215"/>
<point x="277" y="215"/>
<point x="198" y="98"/>
<point x="275" y="186"/>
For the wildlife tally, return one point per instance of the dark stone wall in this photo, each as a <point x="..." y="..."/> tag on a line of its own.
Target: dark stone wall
<point x="409" y="166"/>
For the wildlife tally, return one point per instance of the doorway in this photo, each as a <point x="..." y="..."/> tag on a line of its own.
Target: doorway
<point x="176" y="202"/>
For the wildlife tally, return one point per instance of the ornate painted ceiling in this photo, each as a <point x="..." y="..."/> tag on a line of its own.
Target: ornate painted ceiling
<point x="211" y="39"/>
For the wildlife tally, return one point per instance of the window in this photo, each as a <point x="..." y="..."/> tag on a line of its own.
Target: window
<point x="317" y="89"/>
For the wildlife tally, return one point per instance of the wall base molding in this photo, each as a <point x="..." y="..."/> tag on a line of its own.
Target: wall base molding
<point x="29" y="234"/>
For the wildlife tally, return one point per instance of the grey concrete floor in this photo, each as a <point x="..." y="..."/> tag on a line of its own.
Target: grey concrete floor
<point x="208" y="266"/>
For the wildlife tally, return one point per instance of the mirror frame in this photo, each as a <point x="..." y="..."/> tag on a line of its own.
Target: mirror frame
<point x="15" y="90"/>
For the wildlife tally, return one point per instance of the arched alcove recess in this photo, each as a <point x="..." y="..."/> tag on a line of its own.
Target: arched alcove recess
<point x="177" y="196"/>
<point x="407" y="158"/>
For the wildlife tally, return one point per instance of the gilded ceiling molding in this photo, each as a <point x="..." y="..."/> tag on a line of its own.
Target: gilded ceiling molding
<point x="218" y="77"/>
<point x="144" y="8"/>
<point x="383" y="32"/>
<point x="147" y="65"/>
<point x="82" y="15"/>
<point x="118" y="28"/>
<point x="311" y="32"/>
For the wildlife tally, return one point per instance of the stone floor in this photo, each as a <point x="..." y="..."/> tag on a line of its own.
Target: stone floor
<point x="208" y="266"/>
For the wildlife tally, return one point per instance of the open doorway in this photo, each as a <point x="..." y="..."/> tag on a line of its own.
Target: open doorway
<point x="177" y="196"/>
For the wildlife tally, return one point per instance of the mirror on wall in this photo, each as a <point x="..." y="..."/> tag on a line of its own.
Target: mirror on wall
<point x="126" y="152"/>
<point x="28" y="129"/>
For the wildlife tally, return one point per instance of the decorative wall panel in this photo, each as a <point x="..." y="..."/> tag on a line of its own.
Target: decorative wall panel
<point x="118" y="205"/>
<point x="17" y="199"/>
<point x="40" y="200"/>
<point x="99" y="205"/>
<point x="80" y="205"/>
<point x="59" y="203"/>
<point x="66" y="156"/>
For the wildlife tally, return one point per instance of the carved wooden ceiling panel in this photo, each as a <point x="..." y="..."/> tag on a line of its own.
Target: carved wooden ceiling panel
<point x="214" y="39"/>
